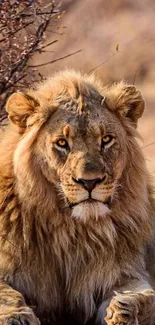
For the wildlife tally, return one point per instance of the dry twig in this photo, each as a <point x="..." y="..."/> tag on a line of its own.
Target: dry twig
<point x="23" y="27"/>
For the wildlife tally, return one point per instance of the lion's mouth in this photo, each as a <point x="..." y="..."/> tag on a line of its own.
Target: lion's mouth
<point x="106" y="202"/>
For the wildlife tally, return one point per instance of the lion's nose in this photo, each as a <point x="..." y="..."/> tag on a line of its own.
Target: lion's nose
<point x="89" y="184"/>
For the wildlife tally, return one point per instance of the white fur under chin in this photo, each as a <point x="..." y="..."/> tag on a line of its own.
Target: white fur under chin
<point x="85" y="210"/>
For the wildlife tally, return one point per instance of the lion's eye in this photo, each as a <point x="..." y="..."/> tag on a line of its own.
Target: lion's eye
<point x="62" y="143"/>
<point x="107" y="140"/>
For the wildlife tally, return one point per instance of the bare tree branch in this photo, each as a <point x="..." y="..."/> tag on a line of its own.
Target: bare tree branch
<point x="53" y="61"/>
<point x="43" y="47"/>
<point x="148" y="145"/>
<point x="106" y="60"/>
<point x="23" y="28"/>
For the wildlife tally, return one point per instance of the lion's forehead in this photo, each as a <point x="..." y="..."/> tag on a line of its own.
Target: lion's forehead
<point x="95" y="120"/>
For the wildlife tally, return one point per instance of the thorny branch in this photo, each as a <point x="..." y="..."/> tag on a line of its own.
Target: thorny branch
<point x="23" y="27"/>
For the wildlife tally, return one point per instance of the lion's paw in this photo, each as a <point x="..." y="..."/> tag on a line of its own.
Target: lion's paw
<point x="122" y="311"/>
<point x="19" y="318"/>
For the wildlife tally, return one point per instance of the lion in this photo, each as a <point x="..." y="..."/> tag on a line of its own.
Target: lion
<point x="77" y="206"/>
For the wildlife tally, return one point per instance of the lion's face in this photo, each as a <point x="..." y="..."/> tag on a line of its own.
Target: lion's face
<point x="86" y="154"/>
<point x="78" y="139"/>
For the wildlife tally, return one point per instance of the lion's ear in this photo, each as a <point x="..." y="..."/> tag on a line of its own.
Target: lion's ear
<point x="19" y="107"/>
<point x="126" y="100"/>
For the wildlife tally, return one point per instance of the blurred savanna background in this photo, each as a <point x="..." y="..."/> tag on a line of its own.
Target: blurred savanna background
<point x="115" y="39"/>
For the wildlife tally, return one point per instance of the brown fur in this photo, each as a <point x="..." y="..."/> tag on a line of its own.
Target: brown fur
<point x="60" y="260"/>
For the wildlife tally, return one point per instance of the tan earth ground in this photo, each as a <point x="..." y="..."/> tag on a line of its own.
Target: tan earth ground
<point x="119" y="32"/>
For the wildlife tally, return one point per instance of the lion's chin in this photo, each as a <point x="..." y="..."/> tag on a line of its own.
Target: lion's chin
<point x="87" y="210"/>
